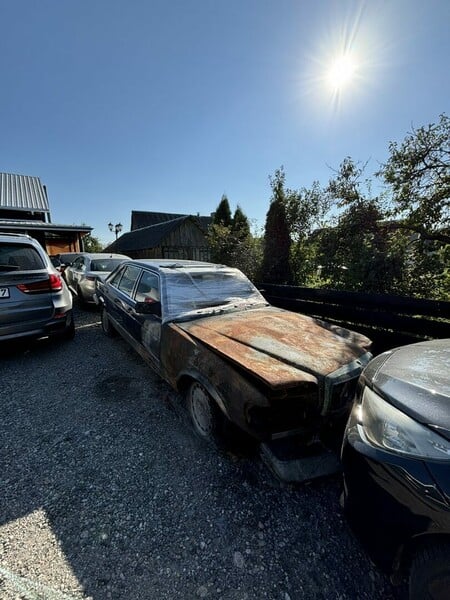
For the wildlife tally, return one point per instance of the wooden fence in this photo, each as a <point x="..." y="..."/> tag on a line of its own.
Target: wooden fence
<point x="389" y="318"/>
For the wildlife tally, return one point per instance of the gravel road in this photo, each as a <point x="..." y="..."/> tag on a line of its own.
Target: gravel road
<point x="106" y="493"/>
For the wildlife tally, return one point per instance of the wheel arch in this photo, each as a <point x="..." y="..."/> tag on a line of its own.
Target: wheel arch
<point x="187" y="377"/>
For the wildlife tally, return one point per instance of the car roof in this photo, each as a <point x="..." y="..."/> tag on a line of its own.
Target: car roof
<point x="102" y="255"/>
<point x="167" y="263"/>
<point x="17" y="237"/>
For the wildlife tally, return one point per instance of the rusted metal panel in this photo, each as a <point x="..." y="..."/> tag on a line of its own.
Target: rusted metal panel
<point x="277" y="346"/>
<point x="272" y="371"/>
<point x="183" y="356"/>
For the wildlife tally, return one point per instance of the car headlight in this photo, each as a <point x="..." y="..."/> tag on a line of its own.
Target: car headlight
<point x="381" y="424"/>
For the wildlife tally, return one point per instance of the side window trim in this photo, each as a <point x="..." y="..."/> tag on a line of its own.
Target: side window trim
<point x="119" y="273"/>
<point x="138" y="281"/>
<point x="130" y="294"/>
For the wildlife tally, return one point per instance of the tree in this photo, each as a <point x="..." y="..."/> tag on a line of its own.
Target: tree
<point x="233" y="244"/>
<point x="222" y="216"/>
<point x="277" y="241"/>
<point x="419" y="172"/>
<point x="306" y="210"/>
<point x="91" y="244"/>
<point x="356" y="253"/>
<point x="220" y="243"/>
<point x="240" y="225"/>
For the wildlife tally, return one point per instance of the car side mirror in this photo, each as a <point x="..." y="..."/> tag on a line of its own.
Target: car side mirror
<point x="148" y="308"/>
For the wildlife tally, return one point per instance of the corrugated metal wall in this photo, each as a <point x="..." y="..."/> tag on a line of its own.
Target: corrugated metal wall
<point x="22" y="192"/>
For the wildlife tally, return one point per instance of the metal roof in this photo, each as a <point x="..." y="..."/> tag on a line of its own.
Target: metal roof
<point x="144" y="218"/>
<point x="146" y="237"/>
<point x="149" y="237"/>
<point x="22" y="192"/>
<point x="8" y="224"/>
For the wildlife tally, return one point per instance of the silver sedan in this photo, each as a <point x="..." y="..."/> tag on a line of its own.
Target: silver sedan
<point x="87" y="269"/>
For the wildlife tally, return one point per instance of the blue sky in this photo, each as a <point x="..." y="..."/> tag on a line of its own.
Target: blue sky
<point x="165" y="105"/>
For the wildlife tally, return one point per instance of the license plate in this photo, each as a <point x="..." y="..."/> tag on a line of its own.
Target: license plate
<point x="4" y="292"/>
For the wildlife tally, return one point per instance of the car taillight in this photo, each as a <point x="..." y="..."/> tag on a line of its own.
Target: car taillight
<point x="52" y="284"/>
<point x="55" y="282"/>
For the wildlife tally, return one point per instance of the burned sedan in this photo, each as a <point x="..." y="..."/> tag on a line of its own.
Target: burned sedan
<point x="241" y="363"/>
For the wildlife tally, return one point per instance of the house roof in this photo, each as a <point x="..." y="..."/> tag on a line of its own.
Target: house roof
<point x="14" y="225"/>
<point x="23" y="192"/>
<point x="143" y="218"/>
<point x="147" y="237"/>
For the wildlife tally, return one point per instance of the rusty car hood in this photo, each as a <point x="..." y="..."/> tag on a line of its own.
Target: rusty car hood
<point x="280" y="347"/>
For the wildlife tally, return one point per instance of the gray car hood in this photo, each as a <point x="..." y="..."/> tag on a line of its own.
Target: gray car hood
<point x="416" y="379"/>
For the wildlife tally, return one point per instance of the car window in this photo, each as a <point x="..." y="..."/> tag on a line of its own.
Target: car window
<point x="105" y="264"/>
<point x="128" y="279"/>
<point x="148" y="288"/>
<point x="19" y="257"/>
<point x="78" y="263"/>
<point x="55" y="261"/>
<point x="68" y="259"/>
<point x="114" y="280"/>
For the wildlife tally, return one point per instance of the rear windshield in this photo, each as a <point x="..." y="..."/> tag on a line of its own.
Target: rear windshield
<point x="68" y="259"/>
<point x="105" y="264"/>
<point x="19" y="257"/>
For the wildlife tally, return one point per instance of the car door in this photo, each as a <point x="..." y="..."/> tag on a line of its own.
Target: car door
<point x="107" y="291"/>
<point x="148" y="325"/>
<point x="124" y="302"/>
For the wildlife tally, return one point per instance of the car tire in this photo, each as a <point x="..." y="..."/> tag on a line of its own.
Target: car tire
<point x="430" y="573"/>
<point x="206" y="417"/>
<point x="107" y="327"/>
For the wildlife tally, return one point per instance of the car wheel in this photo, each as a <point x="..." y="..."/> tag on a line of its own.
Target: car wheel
<point x="107" y="327"/>
<point x="430" y="573"/>
<point x="204" y="413"/>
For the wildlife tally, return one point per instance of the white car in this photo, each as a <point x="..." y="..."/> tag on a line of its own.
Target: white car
<point x="82" y="274"/>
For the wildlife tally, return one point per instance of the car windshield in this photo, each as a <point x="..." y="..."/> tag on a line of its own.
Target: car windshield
<point x="199" y="291"/>
<point x="105" y="264"/>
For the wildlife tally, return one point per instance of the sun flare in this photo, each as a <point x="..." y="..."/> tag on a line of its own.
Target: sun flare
<point x="341" y="72"/>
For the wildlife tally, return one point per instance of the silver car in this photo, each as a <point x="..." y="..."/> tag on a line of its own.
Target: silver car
<point x="82" y="274"/>
<point x="34" y="300"/>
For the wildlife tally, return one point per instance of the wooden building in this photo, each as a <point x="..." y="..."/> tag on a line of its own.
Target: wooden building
<point x="182" y="237"/>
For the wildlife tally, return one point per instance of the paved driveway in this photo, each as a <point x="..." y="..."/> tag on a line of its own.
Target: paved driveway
<point x="106" y="493"/>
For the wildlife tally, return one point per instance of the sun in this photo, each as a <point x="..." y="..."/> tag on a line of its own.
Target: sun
<point x="341" y="72"/>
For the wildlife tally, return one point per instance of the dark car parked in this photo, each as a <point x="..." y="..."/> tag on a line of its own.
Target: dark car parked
<point x="208" y="331"/>
<point x="396" y="460"/>
<point x="34" y="300"/>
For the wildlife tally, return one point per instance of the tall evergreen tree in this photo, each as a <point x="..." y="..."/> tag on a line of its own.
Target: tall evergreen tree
<point x="222" y="216"/>
<point x="240" y="225"/>
<point x="277" y="241"/>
